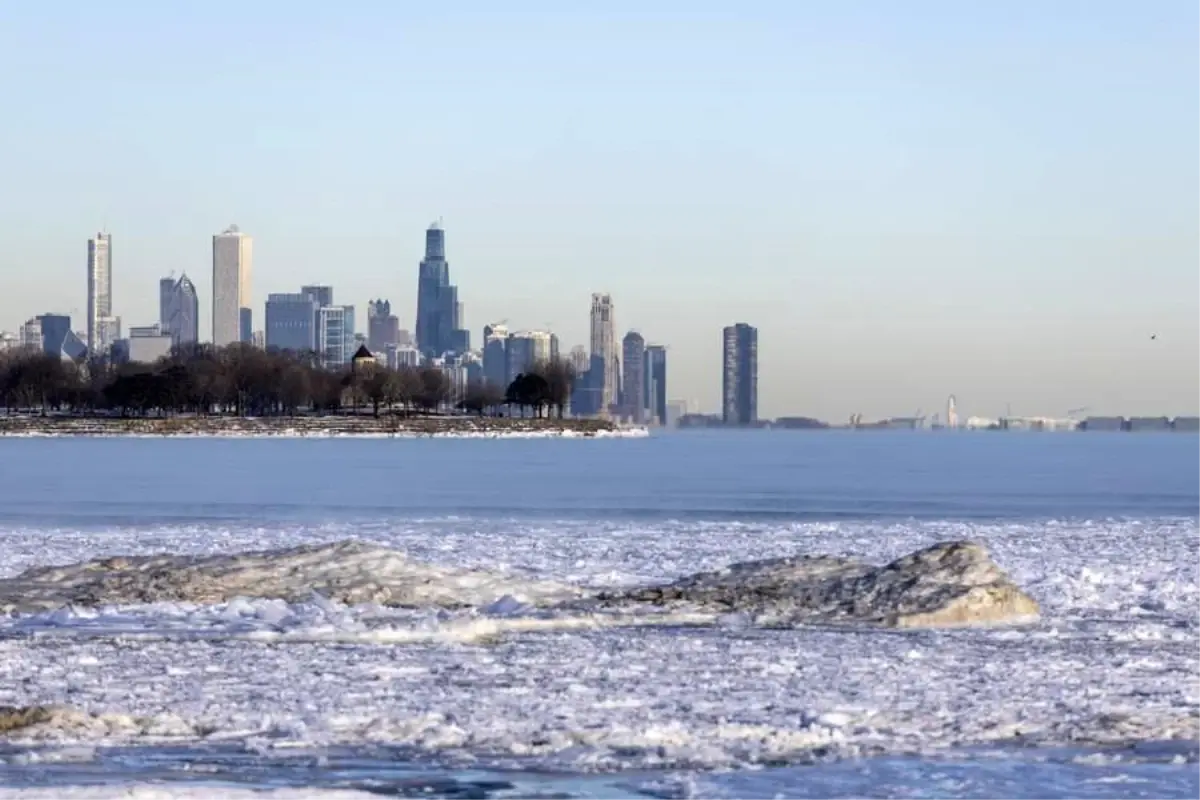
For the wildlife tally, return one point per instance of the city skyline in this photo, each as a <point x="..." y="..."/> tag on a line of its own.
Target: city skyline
<point x="308" y="321"/>
<point x="340" y="323"/>
<point x="906" y="205"/>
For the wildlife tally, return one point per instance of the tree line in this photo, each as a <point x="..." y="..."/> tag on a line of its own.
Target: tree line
<point x="246" y="381"/>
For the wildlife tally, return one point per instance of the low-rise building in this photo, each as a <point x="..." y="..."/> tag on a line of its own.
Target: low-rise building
<point x="1104" y="424"/>
<point x="148" y="344"/>
<point x="398" y="356"/>
<point x="1144" y="424"/>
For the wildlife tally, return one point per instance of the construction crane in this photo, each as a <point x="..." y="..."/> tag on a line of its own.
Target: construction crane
<point x="1075" y="412"/>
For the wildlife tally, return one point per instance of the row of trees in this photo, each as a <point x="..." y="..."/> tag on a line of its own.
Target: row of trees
<point x="244" y="380"/>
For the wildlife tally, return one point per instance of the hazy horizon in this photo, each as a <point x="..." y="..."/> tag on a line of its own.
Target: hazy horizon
<point x="908" y="202"/>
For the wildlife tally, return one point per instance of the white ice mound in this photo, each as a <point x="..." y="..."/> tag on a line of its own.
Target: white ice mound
<point x="40" y="723"/>
<point x="350" y="572"/>
<point x="948" y="584"/>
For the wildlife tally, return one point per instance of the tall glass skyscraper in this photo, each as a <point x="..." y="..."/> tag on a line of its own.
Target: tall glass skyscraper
<point x="179" y="310"/>
<point x="656" y="383"/>
<point x="439" y="314"/>
<point x="633" y="383"/>
<point x="739" y="386"/>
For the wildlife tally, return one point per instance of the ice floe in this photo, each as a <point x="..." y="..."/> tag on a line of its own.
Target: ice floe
<point x="351" y="572"/>
<point x="950" y="583"/>
<point x="953" y="583"/>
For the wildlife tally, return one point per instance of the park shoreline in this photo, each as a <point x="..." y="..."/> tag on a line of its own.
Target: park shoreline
<point x="312" y="426"/>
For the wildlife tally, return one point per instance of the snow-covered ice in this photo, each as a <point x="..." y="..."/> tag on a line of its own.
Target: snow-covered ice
<point x="626" y="432"/>
<point x="504" y="683"/>
<point x="178" y="792"/>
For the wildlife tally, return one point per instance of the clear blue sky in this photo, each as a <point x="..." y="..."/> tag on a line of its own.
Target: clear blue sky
<point x="998" y="200"/>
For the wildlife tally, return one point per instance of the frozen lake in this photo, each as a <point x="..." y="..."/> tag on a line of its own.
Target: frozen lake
<point x="1100" y="698"/>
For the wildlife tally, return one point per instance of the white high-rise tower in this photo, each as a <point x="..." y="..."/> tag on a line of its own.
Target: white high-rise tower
<point x="604" y="346"/>
<point x="951" y="413"/>
<point x="99" y="307"/>
<point x="233" y="258"/>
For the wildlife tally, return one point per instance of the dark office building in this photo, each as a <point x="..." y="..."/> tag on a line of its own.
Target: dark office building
<point x="495" y="355"/>
<point x="460" y="341"/>
<point x="587" y="393"/>
<point x="166" y="289"/>
<point x="633" y="380"/>
<point x="246" y="325"/>
<point x="739" y="388"/>
<point x="322" y="294"/>
<point x="291" y="322"/>
<point x="59" y="340"/>
<point x="655" y="400"/>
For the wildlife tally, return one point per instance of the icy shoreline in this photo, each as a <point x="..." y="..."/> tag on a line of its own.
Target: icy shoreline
<point x="359" y="427"/>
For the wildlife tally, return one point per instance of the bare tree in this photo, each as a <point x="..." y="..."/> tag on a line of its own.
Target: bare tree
<point x="559" y="376"/>
<point x="479" y="396"/>
<point x="378" y="384"/>
<point x="528" y="390"/>
<point x="204" y="379"/>
<point x="435" y="388"/>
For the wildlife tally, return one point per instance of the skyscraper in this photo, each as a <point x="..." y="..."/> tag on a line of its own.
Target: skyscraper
<point x="656" y="383"/>
<point x="58" y="339"/>
<point x="525" y="349"/>
<point x="439" y="314"/>
<point x="322" y="294"/>
<point x="578" y="359"/>
<point x="739" y="388"/>
<point x="291" y="322"/>
<point x="31" y="334"/>
<point x="179" y="310"/>
<point x="604" y="351"/>
<point x="166" y="287"/>
<point x="495" y="355"/>
<point x="335" y="335"/>
<point x="633" y="383"/>
<point x="99" y="280"/>
<point x="245" y="325"/>
<point x="383" y="327"/>
<point x="233" y="259"/>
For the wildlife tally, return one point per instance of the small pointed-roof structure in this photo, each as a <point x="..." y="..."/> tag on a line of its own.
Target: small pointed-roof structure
<point x="363" y="360"/>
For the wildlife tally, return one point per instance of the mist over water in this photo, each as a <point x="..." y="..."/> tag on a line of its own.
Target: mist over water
<point x="1100" y="530"/>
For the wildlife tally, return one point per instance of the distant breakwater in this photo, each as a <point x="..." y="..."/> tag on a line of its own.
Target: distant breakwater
<point x="314" y="426"/>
